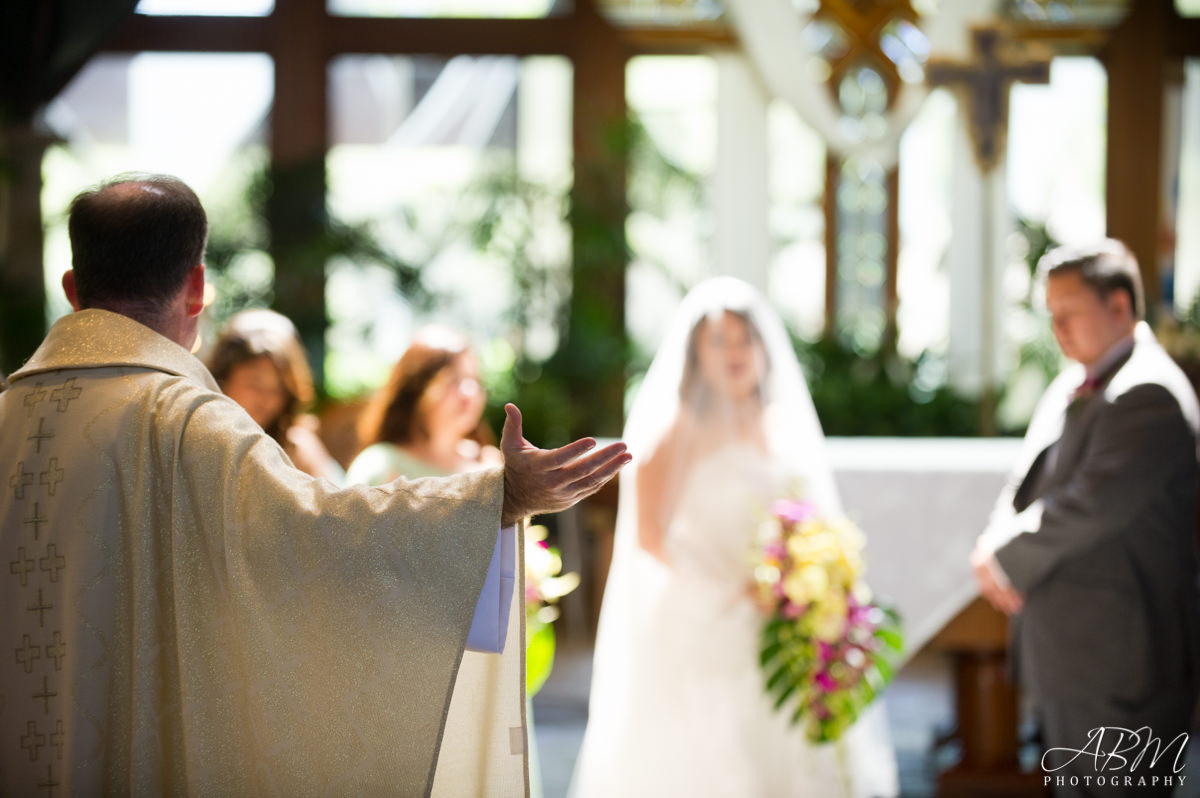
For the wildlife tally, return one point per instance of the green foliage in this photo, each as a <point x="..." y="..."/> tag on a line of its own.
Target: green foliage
<point x="241" y="259"/>
<point x="883" y="393"/>
<point x="521" y="226"/>
<point x="1040" y="352"/>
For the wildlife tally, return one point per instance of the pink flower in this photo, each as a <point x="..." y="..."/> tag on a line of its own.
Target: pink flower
<point x="824" y="651"/>
<point x="792" y="611"/>
<point x="860" y="616"/>
<point x="793" y="510"/>
<point x="825" y="682"/>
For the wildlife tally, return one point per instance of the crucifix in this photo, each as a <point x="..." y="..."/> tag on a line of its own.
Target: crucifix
<point x="983" y="86"/>
<point x="986" y="82"/>
<point x="985" y="701"/>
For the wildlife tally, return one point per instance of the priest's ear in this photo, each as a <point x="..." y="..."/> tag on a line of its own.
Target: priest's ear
<point x="68" y="284"/>
<point x="195" y="289"/>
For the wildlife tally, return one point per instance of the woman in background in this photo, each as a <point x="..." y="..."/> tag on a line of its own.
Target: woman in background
<point x="427" y="420"/>
<point x="259" y="363"/>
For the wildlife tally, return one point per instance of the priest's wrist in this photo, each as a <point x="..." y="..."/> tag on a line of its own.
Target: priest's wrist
<point x="513" y="509"/>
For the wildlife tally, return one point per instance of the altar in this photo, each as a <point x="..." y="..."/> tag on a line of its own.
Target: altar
<point x="921" y="502"/>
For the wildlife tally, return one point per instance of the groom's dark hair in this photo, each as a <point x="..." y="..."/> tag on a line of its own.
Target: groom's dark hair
<point x="134" y="239"/>
<point x="1106" y="266"/>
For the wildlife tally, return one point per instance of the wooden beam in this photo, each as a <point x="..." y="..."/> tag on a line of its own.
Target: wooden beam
<point x="414" y="36"/>
<point x="1136" y="61"/>
<point x="366" y="35"/>
<point x="1064" y="39"/>
<point x="1183" y="37"/>
<point x="595" y="351"/>
<point x="299" y="139"/>
<point x="829" y="207"/>
<point x="891" y="296"/>
<point x="192" y="34"/>
<point x="678" y="39"/>
<point x="548" y="36"/>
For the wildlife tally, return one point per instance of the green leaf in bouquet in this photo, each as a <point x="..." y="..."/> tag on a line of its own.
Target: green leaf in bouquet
<point x="787" y="692"/>
<point x="884" y="667"/>
<point x="891" y="637"/>
<point x="892" y="615"/>
<point x="774" y="624"/>
<point x="781" y="673"/>
<point x="769" y="651"/>
<point x="802" y="710"/>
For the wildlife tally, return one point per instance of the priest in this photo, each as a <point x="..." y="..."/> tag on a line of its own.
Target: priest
<point x="184" y="612"/>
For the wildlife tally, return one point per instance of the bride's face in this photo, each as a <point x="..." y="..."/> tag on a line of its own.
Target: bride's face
<point x="730" y="356"/>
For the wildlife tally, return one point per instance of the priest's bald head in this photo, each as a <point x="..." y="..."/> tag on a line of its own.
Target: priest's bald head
<point x="137" y="244"/>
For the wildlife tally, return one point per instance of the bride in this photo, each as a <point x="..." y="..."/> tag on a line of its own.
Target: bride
<point x="722" y="425"/>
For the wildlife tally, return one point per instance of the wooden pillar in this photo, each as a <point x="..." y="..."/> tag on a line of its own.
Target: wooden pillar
<point x="296" y="210"/>
<point x="22" y="278"/>
<point x="594" y="353"/>
<point x="829" y="207"/>
<point x="1136" y="59"/>
<point x="891" y="296"/>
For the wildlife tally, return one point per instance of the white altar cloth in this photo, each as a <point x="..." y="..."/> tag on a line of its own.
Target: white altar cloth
<point x="921" y="503"/>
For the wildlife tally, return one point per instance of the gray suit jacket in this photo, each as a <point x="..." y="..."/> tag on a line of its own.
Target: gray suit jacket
<point x="1098" y="533"/>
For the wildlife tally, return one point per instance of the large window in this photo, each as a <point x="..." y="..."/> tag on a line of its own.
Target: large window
<point x="672" y="101"/>
<point x="796" y="273"/>
<point x="458" y="170"/>
<point x="926" y="177"/>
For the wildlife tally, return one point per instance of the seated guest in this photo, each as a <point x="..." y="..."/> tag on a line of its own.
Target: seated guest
<point x="427" y="419"/>
<point x="259" y="363"/>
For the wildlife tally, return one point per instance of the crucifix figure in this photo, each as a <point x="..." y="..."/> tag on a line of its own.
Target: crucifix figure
<point x="985" y="82"/>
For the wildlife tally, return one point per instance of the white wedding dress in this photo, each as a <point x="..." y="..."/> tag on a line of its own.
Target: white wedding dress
<point x="678" y="703"/>
<point x="693" y="718"/>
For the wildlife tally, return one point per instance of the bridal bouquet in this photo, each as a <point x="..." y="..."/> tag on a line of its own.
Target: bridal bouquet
<point x="827" y="649"/>
<point x="544" y="586"/>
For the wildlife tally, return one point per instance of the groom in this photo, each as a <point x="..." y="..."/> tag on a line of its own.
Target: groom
<point x="1092" y="545"/>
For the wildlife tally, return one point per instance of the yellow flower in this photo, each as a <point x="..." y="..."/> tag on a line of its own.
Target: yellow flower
<point x="806" y="584"/>
<point x="829" y="617"/>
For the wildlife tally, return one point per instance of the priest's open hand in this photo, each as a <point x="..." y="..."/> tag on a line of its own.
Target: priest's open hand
<point x="538" y="481"/>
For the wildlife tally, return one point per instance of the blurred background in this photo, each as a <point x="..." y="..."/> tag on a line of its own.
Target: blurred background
<point x="551" y="176"/>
